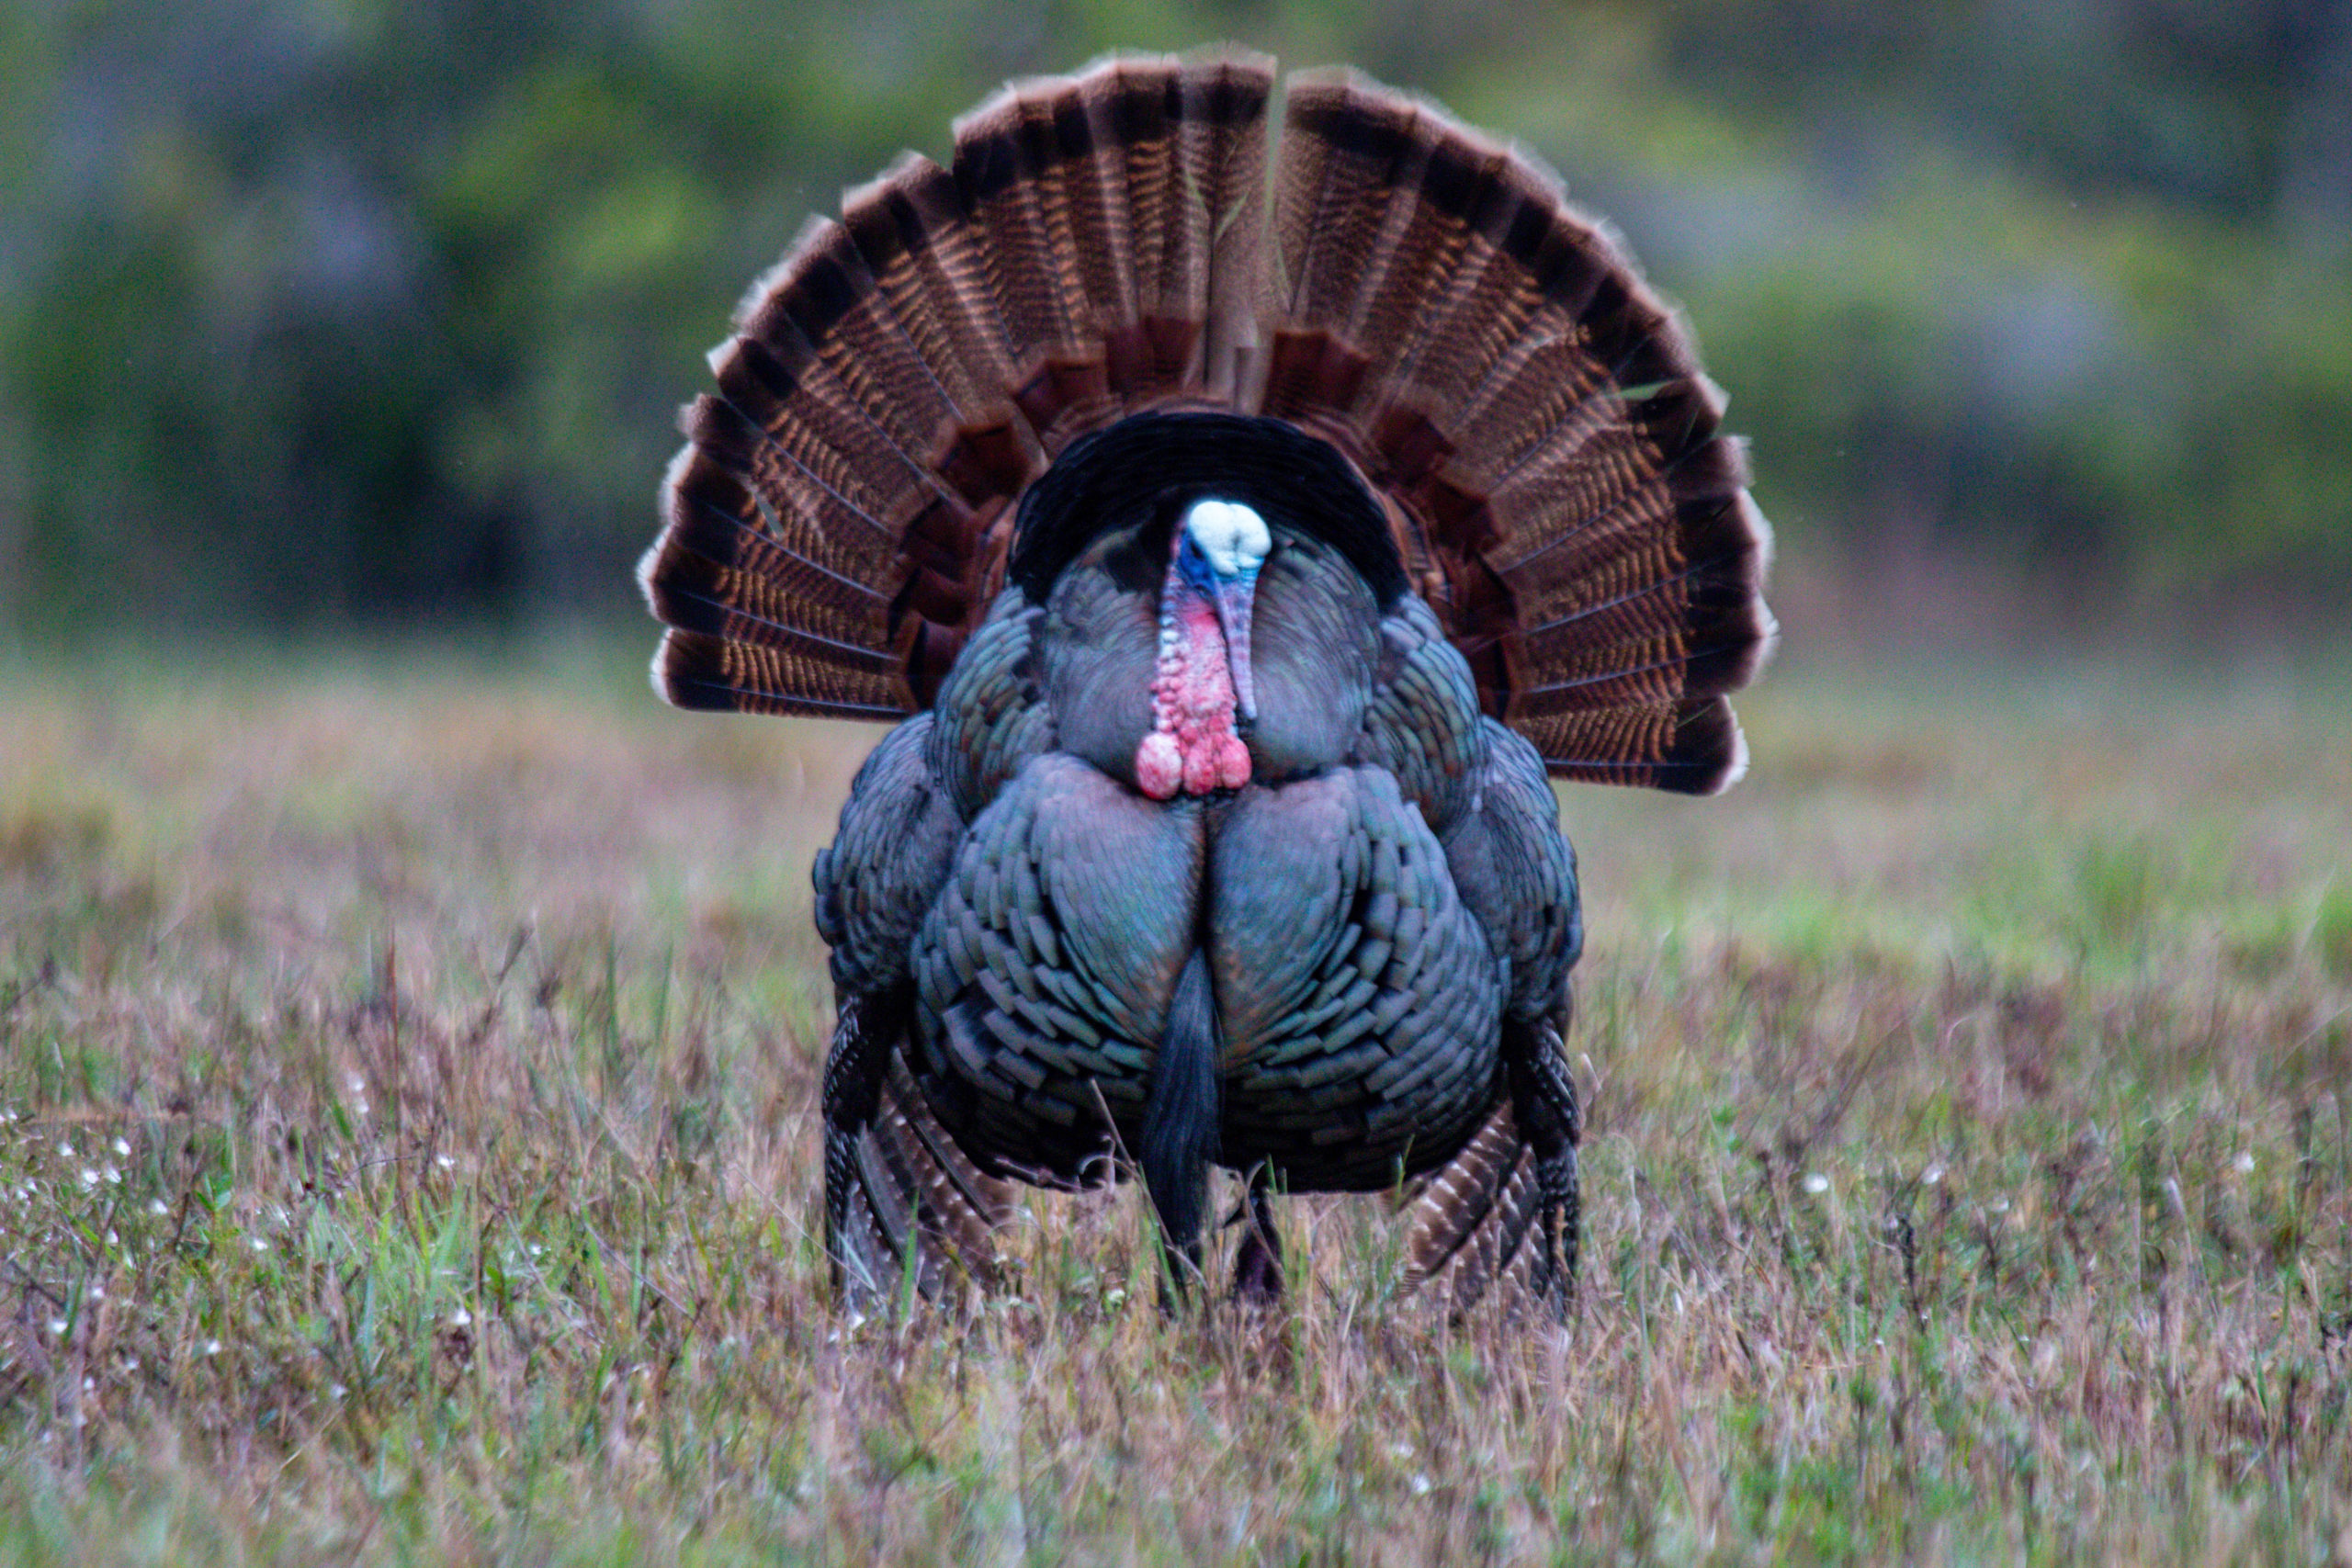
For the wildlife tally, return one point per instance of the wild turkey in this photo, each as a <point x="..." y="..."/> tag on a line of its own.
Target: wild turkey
<point x="1246" y="551"/>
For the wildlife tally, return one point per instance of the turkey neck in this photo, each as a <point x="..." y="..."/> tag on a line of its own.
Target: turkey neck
<point x="1315" y="639"/>
<point x="1198" y="687"/>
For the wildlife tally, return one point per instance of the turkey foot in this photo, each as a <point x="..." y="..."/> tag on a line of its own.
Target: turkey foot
<point x="1258" y="1263"/>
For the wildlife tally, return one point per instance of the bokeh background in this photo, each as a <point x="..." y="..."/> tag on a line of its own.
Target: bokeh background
<point x="322" y="316"/>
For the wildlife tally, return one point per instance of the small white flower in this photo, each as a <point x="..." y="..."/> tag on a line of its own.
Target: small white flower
<point x="1933" y="1176"/>
<point x="97" y="1293"/>
<point x="358" y="1083"/>
<point x="89" y="1177"/>
<point x="1400" y="1450"/>
<point x="212" y="1347"/>
<point x="2245" y="1163"/>
<point x="56" y="1325"/>
<point x="460" y="1318"/>
<point x="336" y="1391"/>
<point x="113" y="1240"/>
<point x="1419" y="1485"/>
<point x="444" y="1162"/>
<point x="114" y="1175"/>
<point x="157" y="1206"/>
<point x="65" y="1151"/>
<point x="122" y="1147"/>
<point x="1816" y="1183"/>
<point x="258" y="1243"/>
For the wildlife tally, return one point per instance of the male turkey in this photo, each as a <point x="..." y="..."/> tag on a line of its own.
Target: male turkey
<point x="1245" y="558"/>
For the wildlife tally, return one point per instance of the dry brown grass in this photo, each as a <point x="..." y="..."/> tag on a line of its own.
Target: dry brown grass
<point x="413" y="1157"/>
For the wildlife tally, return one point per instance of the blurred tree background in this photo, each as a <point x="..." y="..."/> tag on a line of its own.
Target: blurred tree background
<point x="321" y="314"/>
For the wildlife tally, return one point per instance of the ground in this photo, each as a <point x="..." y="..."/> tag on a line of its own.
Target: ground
<point x="410" y="1068"/>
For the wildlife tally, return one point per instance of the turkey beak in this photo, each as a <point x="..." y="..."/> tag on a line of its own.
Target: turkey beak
<point x="1234" y="597"/>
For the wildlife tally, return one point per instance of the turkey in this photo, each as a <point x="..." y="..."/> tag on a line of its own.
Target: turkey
<point x="1242" y="525"/>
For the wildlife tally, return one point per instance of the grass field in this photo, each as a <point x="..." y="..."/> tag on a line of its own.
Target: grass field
<point x="410" y="1067"/>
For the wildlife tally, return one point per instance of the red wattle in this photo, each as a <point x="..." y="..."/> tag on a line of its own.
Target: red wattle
<point x="1192" y="746"/>
<point x="1159" y="767"/>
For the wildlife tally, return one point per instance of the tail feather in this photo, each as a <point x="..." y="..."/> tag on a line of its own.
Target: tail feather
<point x="1695" y="749"/>
<point x="831" y="311"/>
<point x="1008" y="170"/>
<point x="1222" y="156"/>
<point x="712" y="560"/>
<point x="934" y="275"/>
<point x="1490" y="357"/>
<point x="1416" y="293"/>
<point x="1141" y="111"/>
<point x="770" y="465"/>
<point x="1346" y="154"/>
<point x="696" y="670"/>
<point x="1082" y="178"/>
<point x="1471" y="333"/>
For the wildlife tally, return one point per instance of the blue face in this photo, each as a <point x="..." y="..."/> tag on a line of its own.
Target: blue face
<point x="1193" y="564"/>
<point x="1221" y="544"/>
<point x="1219" y="548"/>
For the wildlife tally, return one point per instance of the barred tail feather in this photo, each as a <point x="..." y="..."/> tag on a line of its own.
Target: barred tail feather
<point x="1416" y="294"/>
<point x="1490" y="358"/>
<point x="839" y="519"/>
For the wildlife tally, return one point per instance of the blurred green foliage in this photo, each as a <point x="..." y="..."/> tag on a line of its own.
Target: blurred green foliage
<point x="317" y="312"/>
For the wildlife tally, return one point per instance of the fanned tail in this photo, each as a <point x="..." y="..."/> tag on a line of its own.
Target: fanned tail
<point x="1423" y="298"/>
<point x="838" y="522"/>
<point x="1492" y="361"/>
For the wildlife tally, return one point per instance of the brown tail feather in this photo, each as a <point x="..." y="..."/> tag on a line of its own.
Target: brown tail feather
<point x="831" y="311"/>
<point x="1222" y="166"/>
<point x="934" y="274"/>
<point x="1009" y="171"/>
<point x="1422" y="297"/>
<point x="1490" y="356"/>
<point x="1142" y="112"/>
